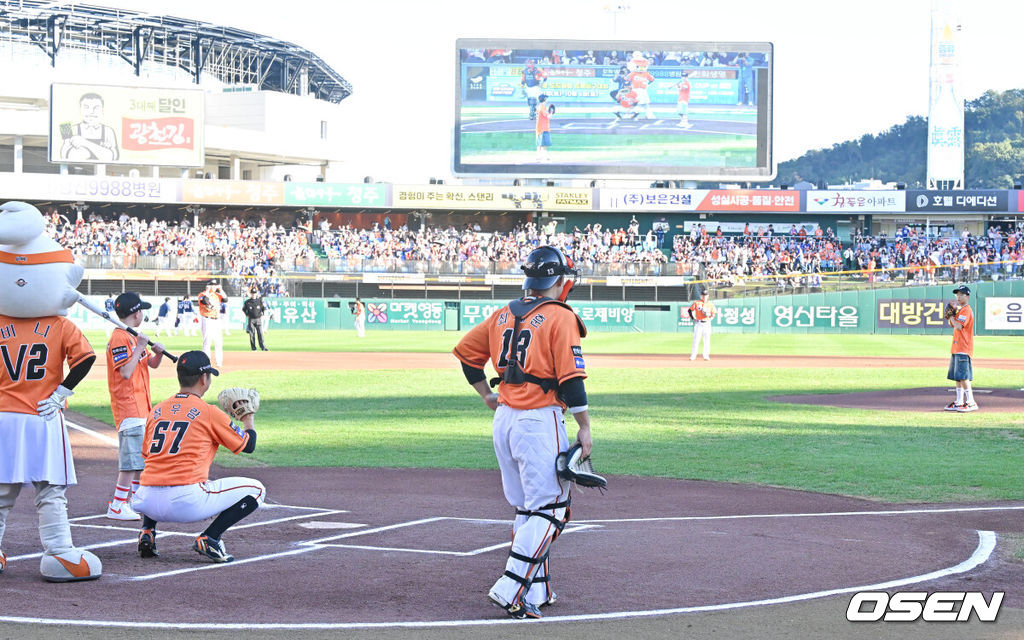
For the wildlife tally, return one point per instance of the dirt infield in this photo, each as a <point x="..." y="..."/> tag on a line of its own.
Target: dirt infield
<point x="410" y="553"/>
<point x="926" y="399"/>
<point x="409" y="546"/>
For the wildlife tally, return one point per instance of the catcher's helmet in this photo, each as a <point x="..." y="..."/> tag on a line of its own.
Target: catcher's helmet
<point x="544" y="266"/>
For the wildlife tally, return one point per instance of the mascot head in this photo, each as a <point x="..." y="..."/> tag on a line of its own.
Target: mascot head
<point x="38" y="277"/>
<point x="638" y="64"/>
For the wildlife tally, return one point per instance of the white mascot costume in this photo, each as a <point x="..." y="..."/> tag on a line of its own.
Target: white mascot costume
<point x="37" y="286"/>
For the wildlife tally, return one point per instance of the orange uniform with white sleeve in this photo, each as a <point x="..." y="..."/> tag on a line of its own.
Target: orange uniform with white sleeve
<point x="702" y="310"/>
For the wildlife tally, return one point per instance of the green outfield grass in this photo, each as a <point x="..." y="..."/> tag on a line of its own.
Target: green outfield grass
<point x="903" y="346"/>
<point x="713" y="425"/>
<point x="691" y="150"/>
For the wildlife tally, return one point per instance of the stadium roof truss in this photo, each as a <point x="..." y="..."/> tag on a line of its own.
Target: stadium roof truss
<point x="230" y="55"/>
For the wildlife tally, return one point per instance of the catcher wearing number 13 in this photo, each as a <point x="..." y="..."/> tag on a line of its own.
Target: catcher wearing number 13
<point x="182" y="437"/>
<point x="534" y="345"/>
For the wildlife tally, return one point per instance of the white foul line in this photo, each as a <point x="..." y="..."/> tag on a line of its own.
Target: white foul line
<point x="96" y="434"/>
<point x="825" y="514"/>
<point x="986" y="544"/>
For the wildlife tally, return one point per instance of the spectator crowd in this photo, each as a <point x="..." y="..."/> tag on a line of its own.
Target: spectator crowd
<point x="255" y="251"/>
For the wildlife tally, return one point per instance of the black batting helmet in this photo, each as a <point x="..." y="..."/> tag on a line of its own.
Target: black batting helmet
<point x="544" y="266"/>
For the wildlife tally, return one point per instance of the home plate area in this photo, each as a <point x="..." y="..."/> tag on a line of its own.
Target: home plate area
<point x="395" y="547"/>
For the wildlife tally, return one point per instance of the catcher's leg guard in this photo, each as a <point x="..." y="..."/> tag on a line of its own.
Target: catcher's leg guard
<point x="533" y="107"/>
<point x="530" y="545"/>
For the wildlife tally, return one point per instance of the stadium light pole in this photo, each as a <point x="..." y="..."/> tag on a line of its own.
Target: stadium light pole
<point x="615" y="8"/>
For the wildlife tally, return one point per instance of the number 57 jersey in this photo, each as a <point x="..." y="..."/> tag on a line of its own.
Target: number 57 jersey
<point x="547" y="348"/>
<point x="182" y="436"/>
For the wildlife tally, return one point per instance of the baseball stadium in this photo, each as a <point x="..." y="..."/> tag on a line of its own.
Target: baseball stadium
<point x="820" y="465"/>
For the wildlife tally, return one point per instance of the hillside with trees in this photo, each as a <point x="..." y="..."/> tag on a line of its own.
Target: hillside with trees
<point x="994" y="145"/>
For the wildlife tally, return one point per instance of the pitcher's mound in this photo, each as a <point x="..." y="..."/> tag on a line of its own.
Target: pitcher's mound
<point x="923" y="399"/>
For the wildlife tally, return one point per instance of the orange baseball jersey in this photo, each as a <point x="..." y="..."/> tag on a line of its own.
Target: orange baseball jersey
<point x="963" y="339"/>
<point x="33" y="352"/>
<point x="703" y="310"/>
<point x="548" y="348"/>
<point x="128" y="398"/>
<point x="209" y="303"/>
<point x="640" y="79"/>
<point x="360" y="308"/>
<point x="182" y="436"/>
<point x="684" y="90"/>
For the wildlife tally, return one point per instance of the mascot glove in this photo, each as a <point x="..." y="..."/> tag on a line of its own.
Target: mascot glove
<point x="50" y="407"/>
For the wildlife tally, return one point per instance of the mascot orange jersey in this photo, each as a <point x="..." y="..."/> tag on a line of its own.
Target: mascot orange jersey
<point x="32" y="356"/>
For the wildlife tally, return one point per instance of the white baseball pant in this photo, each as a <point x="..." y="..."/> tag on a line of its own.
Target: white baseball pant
<point x="213" y="333"/>
<point x="526" y="443"/>
<point x="194" y="502"/>
<point x="701" y="331"/>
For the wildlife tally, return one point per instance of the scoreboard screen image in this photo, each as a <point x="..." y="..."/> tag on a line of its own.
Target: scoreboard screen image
<point x="574" y="108"/>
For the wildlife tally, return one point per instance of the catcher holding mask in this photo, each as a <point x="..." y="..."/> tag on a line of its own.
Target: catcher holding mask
<point x="182" y="437"/>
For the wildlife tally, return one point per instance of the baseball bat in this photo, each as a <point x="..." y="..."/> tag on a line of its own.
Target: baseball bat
<point x="116" y="322"/>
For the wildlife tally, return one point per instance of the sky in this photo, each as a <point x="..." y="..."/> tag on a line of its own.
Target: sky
<point x="842" y="69"/>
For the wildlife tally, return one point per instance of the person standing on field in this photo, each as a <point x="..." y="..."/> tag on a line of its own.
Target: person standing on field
<point x="128" y="365"/>
<point x="960" y="369"/>
<point x="701" y="312"/>
<point x="359" y="310"/>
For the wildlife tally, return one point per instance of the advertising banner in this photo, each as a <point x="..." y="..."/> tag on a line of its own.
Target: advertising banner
<point x="47" y="186"/>
<point x="650" y="199"/>
<point x="730" y="314"/>
<point x="596" y="315"/>
<point x="856" y="201"/>
<point x="424" y="314"/>
<point x="1003" y="314"/>
<point x="296" y="313"/>
<point x="955" y="201"/>
<point x="232" y="192"/>
<point x="750" y="200"/>
<point x="326" y="194"/>
<point x="815" y="316"/>
<point x="102" y="124"/>
<point x="415" y="196"/>
<point x="909" y="314"/>
<point x="394" y="278"/>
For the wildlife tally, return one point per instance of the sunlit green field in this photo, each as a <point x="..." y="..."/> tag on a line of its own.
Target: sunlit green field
<point x="717" y="424"/>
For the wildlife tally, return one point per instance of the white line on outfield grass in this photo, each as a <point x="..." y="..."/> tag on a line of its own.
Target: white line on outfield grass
<point x="986" y="544"/>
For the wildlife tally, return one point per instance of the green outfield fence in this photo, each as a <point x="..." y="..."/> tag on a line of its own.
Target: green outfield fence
<point x="998" y="307"/>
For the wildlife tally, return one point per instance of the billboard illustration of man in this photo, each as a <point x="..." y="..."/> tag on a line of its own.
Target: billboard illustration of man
<point x="89" y="140"/>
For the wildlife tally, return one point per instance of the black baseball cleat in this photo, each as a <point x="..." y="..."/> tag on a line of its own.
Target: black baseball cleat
<point x="518" y="610"/>
<point x="147" y="544"/>
<point x="212" y="549"/>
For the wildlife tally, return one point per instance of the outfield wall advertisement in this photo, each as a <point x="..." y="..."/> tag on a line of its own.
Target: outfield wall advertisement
<point x="100" y="124"/>
<point x="999" y="307"/>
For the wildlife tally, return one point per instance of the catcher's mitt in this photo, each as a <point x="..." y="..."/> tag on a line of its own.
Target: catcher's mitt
<point x="572" y="466"/>
<point x="239" y="402"/>
<point x="949" y="311"/>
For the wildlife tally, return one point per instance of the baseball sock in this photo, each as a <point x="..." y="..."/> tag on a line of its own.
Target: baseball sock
<point x="970" y="396"/>
<point x="135" y="486"/>
<point x="148" y="523"/>
<point x="120" y="493"/>
<point x="230" y="516"/>
<point x="959" y="395"/>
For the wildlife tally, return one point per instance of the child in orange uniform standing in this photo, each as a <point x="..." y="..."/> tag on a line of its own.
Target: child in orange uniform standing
<point x="128" y="365"/>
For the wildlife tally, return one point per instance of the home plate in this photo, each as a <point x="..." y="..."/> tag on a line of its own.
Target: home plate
<point x="331" y="525"/>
